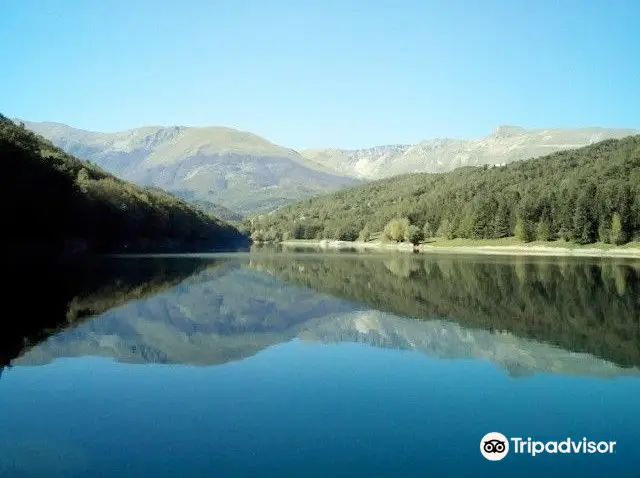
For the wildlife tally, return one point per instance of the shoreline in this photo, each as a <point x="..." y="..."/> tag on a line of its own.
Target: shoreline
<point x="514" y="250"/>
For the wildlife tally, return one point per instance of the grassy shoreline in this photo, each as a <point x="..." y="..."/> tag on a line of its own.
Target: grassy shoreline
<point x="505" y="246"/>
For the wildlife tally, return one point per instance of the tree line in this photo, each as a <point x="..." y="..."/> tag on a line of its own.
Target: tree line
<point x="584" y="195"/>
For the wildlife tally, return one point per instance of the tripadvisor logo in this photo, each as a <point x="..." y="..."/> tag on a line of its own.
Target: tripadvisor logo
<point x="494" y="446"/>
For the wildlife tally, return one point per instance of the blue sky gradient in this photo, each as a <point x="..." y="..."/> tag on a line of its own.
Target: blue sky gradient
<point x="335" y="73"/>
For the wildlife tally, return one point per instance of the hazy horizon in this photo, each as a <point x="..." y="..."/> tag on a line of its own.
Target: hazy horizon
<point x="331" y="146"/>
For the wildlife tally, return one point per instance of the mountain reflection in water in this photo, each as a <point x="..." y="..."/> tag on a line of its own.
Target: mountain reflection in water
<point x="526" y="315"/>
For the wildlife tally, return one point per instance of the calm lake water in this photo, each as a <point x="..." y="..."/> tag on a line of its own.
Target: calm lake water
<point x="303" y="364"/>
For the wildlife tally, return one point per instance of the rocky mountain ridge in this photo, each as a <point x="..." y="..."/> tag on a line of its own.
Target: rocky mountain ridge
<point x="247" y="173"/>
<point x="504" y="145"/>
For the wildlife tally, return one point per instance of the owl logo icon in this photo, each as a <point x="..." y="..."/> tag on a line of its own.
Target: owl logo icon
<point x="494" y="446"/>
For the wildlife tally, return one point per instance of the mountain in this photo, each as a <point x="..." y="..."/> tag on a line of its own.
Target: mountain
<point x="55" y="202"/>
<point x="208" y="319"/>
<point x="581" y="195"/>
<point x="505" y="145"/>
<point x="236" y="169"/>
<point x="247" y="174"/>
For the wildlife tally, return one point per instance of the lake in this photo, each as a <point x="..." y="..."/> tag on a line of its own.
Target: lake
<point x="339" y="364"/>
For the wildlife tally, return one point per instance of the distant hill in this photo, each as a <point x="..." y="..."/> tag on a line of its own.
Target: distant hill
<point x="583" y="195"/>
<point x="505" y="145"/>
<point x="216" y="210"/>
<point x="236" y="169"/>
<point x="55" y="201"/>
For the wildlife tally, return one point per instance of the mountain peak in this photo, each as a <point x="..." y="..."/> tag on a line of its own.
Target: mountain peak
<point x="507" y="130"/>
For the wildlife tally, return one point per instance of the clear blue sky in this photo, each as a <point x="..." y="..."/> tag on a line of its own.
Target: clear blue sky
<point x="341" y="73"/>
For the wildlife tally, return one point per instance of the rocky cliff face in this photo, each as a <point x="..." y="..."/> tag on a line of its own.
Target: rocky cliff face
<point x="506" y="144"/>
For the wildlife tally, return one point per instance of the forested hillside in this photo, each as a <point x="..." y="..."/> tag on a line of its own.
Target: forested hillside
<point x="583" y="195"/>
<point x="216" y="210"/>
<point x="237" y="169"/>
<point x="55" y="201"/>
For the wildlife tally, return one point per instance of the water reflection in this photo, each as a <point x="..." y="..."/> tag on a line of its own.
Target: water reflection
<point x="54" y="297"/>
<point x="589" y="306"/>
<point x="570" y="317"/>
<point x="388" y="365"/>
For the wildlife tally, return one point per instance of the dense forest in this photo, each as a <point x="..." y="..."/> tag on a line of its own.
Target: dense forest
<point x="584" y="195"/>
<point x="55" y="201"/>
<point x="216" y="210"/>
<point x="586" y="306"/>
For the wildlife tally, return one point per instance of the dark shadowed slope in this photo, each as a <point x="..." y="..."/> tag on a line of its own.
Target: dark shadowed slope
<point x="56" y="202"/>
<point x="47" y="297"/>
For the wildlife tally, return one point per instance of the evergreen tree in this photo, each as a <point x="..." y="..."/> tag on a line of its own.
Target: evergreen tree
<point x="501" y="226"/>
<point x="522" y="231"/>
<point x="478" y="219"/>
<point x="616" y="235"/>
<point x="583" y="223"/>
<point x="466" y="225"/>
<point x="565" y="219"/>
<point x="445" y="230"/>
<point x="634" y="224"/>
<point x="604" y="232"/>
<point x="543" y="232"/>
<point x="623" y="206"/>
<point x="299" y="232"/>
